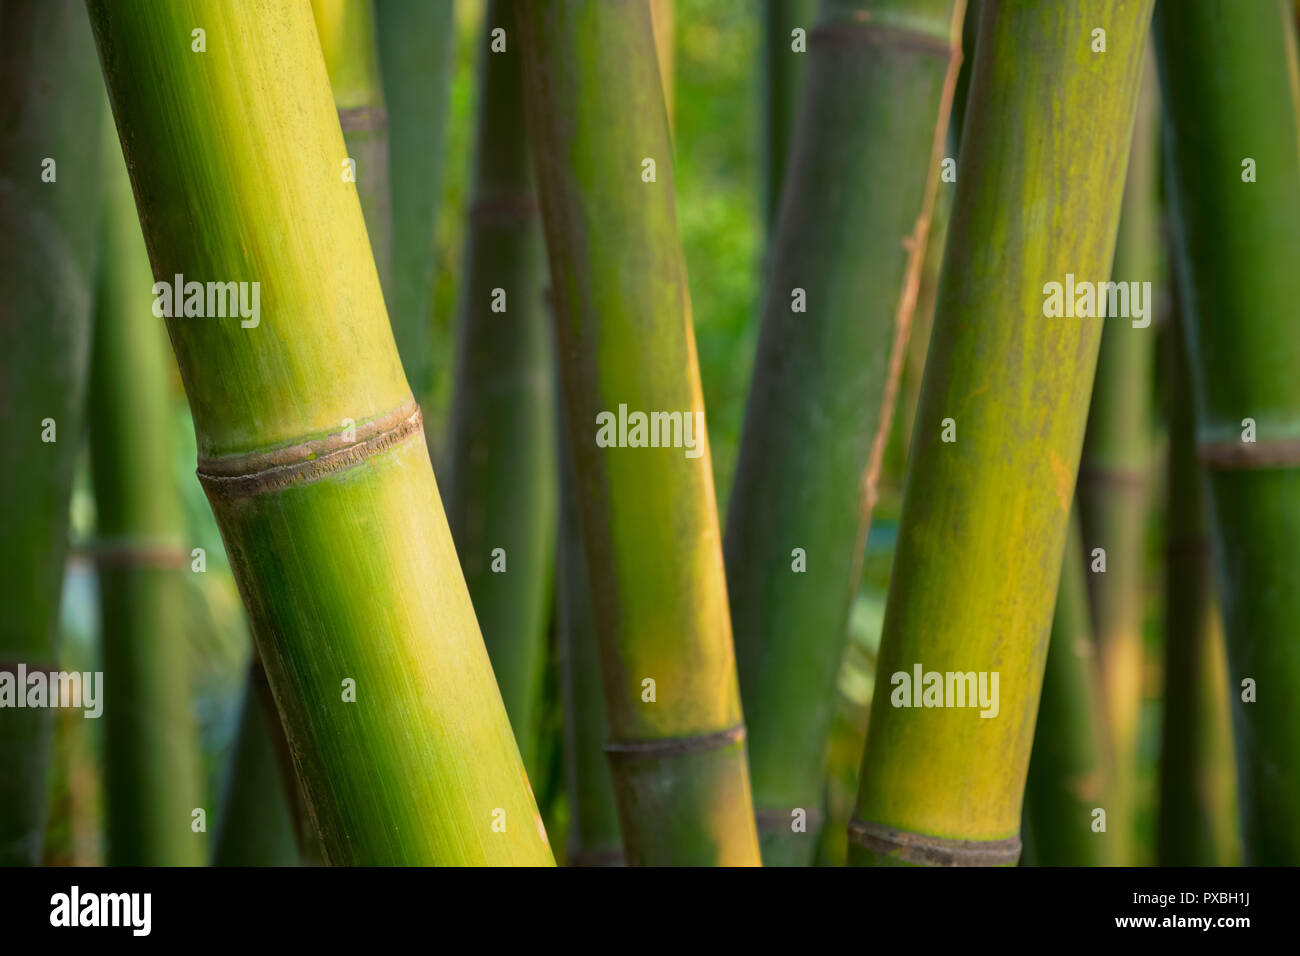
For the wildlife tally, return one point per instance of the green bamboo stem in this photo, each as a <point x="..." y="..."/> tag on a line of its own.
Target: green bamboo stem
<point x="875" y="109"/>
<point x="256" y="827"/>
<point x="663" y="16"/>
<point x="48" y="239"/>
<point x="151" y="743"/>
<point x="1114" y="475"/>
<point x="1068" y="766"/>
<point x="1228" y="80"/>
<point x="984" y="517"/>
<point x="310" y="446"/>
<point x="594" y="838"/>
<point x="1197" y="820"/>
<point x="416" y="58"/>
<point x="782" y="82"/>
<point x="649" y="519"/>
<point x="501" y="495"/>
<point x="347" y="41"/>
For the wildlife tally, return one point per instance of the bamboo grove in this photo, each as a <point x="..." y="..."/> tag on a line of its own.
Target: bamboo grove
<point x="649" y="433"/>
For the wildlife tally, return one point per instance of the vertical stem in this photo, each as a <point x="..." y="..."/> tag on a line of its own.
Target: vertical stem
<point x="985" y="515"/>
<point x="48" y="236"/>
<point x="649" y="520"/>
<point x="782" y="81"/>
<point x="310" y="445"/>
<point x="151" y="758"/>
<point x="501" y="496"/>
<point x="842" y="282"/>
<point x="1231" y="88"/>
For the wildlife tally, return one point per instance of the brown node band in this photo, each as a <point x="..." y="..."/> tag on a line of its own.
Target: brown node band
<point x="243" y="476"/>
<point x="925" y="850"/>
<point x="674" y="746"/>
<point x="1101" y="475"/>
<point x="857" y="32"/>
<point x="1240" y="455"/>
<point x="358" y="119"/>
<point x="137" y="554"/>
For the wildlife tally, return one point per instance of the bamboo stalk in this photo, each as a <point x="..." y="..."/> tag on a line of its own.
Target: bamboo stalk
<point x="984" y="516"/>
<point x="1114" y="475"/>
<point x="1197" y="820"/>
<point x="347" y="41"/>
<point x="151" y="743"/>
<point x="48" y="239"/>
<point x="875" y="109"/>
<point x="663" y="17"/>
<point x="649" y="519"/>
<point x="782" y="83"/>
<point x="1068" y="779"/>
<point x="1229" y="83"/>
<point x="501" y="495"/>
<point x="310" y="446"/>
<point x="416" y="59"/>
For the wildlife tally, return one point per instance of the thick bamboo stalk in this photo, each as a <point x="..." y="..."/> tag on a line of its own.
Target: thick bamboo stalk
<point x="48" y="236"/>
<point x="151" y="743"/>
<point x="663" y="15"/>
<point x="1228" y="78"/>
<point x="1114" y="474"/>
<point x="782" y="81"/>
<point x="984" y="515"/>
<point x="875" y="109"/>
<point x="416" y="58"/>
<point x="604" y="175"/>
<point x="1197" y="821"/>
<point x="1068" y="767"/>
<point x="347" y="41"/>
<point x="501" y="495"/>
<point x="310" y="446"/>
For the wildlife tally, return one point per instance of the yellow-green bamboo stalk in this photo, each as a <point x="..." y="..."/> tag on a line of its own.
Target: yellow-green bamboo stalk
<point x="998" y="432"/>
<point x="310" y="445"/>
<point x="49" y="197"/>
<point x="151" y="743"/>
<point x="603" y="157"/>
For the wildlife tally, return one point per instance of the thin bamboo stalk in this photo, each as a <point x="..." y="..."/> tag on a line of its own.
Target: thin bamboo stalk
<point x="1229" y="82"/>
<point x="875" y="109"/>
<point x="984" y="516"/>
<point x="649" y="518"/>
<point x="1114" y="476"/>
<point x="1068" y="767"/>
<point x="782" y="83"/>
<point x="49" y="188"/>
<point x="501" y="496"/>
<point x="310" y="446"/>
<point x="151" y="743"/>
<point x="416" y="58"/>
<point x="347" y="41"/>
<point x="1197" y="820"/>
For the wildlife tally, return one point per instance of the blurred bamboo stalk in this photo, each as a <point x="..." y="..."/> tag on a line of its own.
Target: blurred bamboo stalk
<point x="1232" y="106"/>
<point x="842" y="280"/>
<point x="999" y="432"/>
<point x="152" y="773"/>
<point x="649" y="521"/>
<point x="782" y="82"/>
<point x="49" y="197"/>
<point x="501" y="493"/>
<point x="324" y="496"/>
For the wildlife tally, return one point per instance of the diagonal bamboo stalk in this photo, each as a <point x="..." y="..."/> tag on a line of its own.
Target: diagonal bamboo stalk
<point x="311" y="450"/>
<point x="503" y="415"/>
<point x="48" y="238"/>
<point x="151" y="743"/>
<point x="984" y="516"/>
<point x="595" y="114"/>
<point x="1231" y="87"/>
<point x="875" y="109"/>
